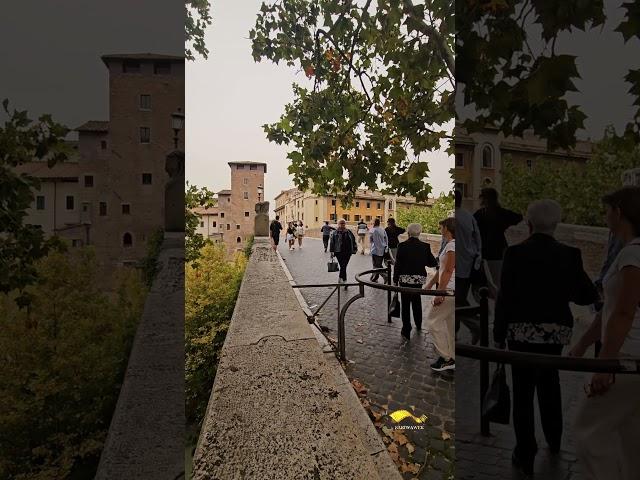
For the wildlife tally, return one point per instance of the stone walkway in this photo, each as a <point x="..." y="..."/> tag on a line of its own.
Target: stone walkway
<point x="395" y="373"/>
<point x="484" y="458"/>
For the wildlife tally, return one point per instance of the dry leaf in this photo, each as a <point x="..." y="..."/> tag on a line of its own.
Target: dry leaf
<point x="414" y="468"/>
<point x="446" y="436"/>
<point x="393" y="448"/>
<point x="387" y="431"/>
<point x="358" y="387"/>
<point x="401" y="438"/>
<point x="395" y="457"/>
<point x="410" y="448"/>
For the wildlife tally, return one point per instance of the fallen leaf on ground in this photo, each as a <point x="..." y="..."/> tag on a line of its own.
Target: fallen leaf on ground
<point x="401" y="438"/>
<point x="332" y="340"/>
<point x="414" y="468"/>
<point x="358" y="387"/>
<point x="410" y="448"/>
<point x="446" y="436"/>
<point x="387" y="431"/>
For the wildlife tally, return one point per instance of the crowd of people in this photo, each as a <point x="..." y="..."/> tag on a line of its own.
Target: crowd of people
<point x="536" y="281"/>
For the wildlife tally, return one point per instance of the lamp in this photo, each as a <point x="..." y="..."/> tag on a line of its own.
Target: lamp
<point x="177" y="123"/>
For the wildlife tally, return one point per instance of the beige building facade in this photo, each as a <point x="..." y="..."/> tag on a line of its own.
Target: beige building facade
<point x="479" y="158"/>
<point x="231" y="220"/>
<point x="111" y="193"/>
<point x="313" y="210"/>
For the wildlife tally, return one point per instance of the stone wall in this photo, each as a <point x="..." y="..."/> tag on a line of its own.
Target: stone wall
<point x="278" y="408"/>
<point x="146" y="435"/>
<point x="592" y="241"/>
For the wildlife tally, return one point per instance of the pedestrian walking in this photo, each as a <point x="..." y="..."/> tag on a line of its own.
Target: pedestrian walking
<point x="291" y="236"/>
<point x="441" y="318"/>
<point x="300" y="234"/>
<point x="274" y="232"/>
<point x="379" y="245"/>
<point x="326" y="233"/>
<point x="362" y="230"/>
<point x="343" y="244"/>
<point x="414" y="256"/>
<point x="607" y="427"/>
<point x="469" y="250"/>
<point x="393" y="232"/>
<point x="493" y="220"/>
<point x="529" y="323"/>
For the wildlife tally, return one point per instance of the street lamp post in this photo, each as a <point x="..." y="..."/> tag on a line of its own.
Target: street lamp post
<point x="177" y="124"/>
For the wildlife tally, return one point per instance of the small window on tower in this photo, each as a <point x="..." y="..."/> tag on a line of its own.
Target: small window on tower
<point x="103" y="145"/>
<point x="70" y="202"/>
<point x="103" y="209"/>
<point x="145" y="102"/>
<point x="126" y="209"/>
<point x="245" y="195"/>
<point x="131" y="66"/>
<point x="246" y="214"/>
<point x="127" y="240"/>
<point x="145" y="135"/>
<point x="253" y="167"/>
<point x="40" y="202"/>
<point x="147" y="179"/>
<point x="162" y="68"/>
<point x="88" y="180"/>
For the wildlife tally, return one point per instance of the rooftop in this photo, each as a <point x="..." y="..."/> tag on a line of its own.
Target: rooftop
<point x="249" y="163"/>
<point x="142" y="56"/>
<point x="224" y="192"/>
<point x="68" y="170"/>
<point x="94" y="126"/>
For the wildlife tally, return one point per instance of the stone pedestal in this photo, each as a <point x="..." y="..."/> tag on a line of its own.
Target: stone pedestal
<point x="261" y="223"/>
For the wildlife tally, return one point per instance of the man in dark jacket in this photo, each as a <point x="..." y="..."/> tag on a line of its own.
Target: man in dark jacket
<point x="343" y="244"/>
<point x="393" y="232"/>
<point x="326" y="233"/>
<point x="540" y="277"/>
<point x="414" y="256"/>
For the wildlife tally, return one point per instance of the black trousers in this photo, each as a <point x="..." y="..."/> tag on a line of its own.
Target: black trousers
<point x="410" y="302"/>
<point x="526" y="381"/>
<point x="325" y="240"/>
<point x="377" y="263"/>
<point x="343" y="260"/>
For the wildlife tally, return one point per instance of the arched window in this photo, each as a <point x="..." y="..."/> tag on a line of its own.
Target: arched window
<point x="239" y="240"/>
<point x="390" y="204"/>
<point x="487" y="157"/>
<point x="127" y="240"/>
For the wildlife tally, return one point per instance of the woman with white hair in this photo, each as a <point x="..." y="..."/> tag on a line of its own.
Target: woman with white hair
<point x="534" y="322"/>
<point x="414" y="256"/>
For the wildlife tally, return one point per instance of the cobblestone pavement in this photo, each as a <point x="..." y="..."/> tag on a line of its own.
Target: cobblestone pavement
<point x="395" y="373"/>
<point x="483" y="458"/>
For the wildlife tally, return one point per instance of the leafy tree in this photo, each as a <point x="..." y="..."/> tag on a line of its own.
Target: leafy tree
<point x="211" y="289"/>
<point x="511" y="69"/>
<point x="62" y="361"/>
<point x="429" y="217"/>
<point x="198" y="19"/>
<point x="195" y="197"/>
<point x="23" y="140"/>
<point x="381" y="97"/>
<point x="578" y="188"/>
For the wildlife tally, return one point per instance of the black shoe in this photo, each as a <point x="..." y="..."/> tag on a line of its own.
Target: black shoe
<point x="419" y="328"/>
<point x="525" y="466"/>
<point x="441" y="365"/>
<point x="405" y="335"/>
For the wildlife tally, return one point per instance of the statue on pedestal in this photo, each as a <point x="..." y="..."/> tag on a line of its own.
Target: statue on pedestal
<point x="174" y="215"/>
<point x="261" y="223"/>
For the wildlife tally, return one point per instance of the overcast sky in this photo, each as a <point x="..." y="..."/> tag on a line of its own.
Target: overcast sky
<point x="51" y="51"/>
<point x="228" y="99"/>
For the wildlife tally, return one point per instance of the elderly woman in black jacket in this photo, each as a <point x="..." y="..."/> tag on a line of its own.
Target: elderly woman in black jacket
<point x="414" y="256"/>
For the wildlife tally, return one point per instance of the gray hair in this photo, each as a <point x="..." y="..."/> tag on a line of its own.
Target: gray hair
<point x="342" y="220"/>
<point x="544" y="215"/>
<point x="414" y="230"/>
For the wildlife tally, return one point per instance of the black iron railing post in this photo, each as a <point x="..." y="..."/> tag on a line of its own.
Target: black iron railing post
<point x="484" y="364"/>
<point x="388" y="282"/>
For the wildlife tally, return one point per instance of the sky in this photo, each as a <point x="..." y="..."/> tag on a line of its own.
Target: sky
<point x="51" y="51"/>
<point x="228" y="99"/>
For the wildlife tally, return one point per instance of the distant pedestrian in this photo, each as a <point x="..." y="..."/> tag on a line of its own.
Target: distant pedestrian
<point x="326" y="233"/>
<point x="393" y="232"/>
<point x="300" y="233"/>
<point x="441" y="319"/>
<point x="343" y="244"/>
<point x="493" y="220"/>
<point x="469" y="250"/>
<point x="291" y="236"/>
<point x="414" y="256"/>
<point x="379" y="244"/>
<point x="362" y="230"/>
<point x="274" y="232"/>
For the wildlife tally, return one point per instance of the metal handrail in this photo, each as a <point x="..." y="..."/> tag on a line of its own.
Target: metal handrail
<point x="394" y="288"/>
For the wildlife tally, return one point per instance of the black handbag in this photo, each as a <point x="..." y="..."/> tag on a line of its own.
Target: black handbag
<point x="332" y="266"/>
<point x="496" y="405"/>
<point x="394" y="307"/>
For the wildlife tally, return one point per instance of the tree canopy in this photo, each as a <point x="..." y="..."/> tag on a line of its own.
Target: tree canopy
<point x="380" y="91"/>
<point x="512" y="70"/>
<point x="23" y="140"/>
<point x="198" y="19"/>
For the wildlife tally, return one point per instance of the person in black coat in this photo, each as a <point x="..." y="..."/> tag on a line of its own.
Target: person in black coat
<point x="342" y="244"/>
<point x="540" y="277"/>
<point x="414" y="256"/>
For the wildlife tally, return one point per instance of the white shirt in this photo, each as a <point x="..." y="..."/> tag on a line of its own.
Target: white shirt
<point x="449" y="247"/>
<point x="628" y="256"/>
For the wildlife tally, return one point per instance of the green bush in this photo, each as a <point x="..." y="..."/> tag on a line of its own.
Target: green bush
<point x="62" y="361"/>
<point x="211" y="289"/>
<point x="428" y="217"/>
